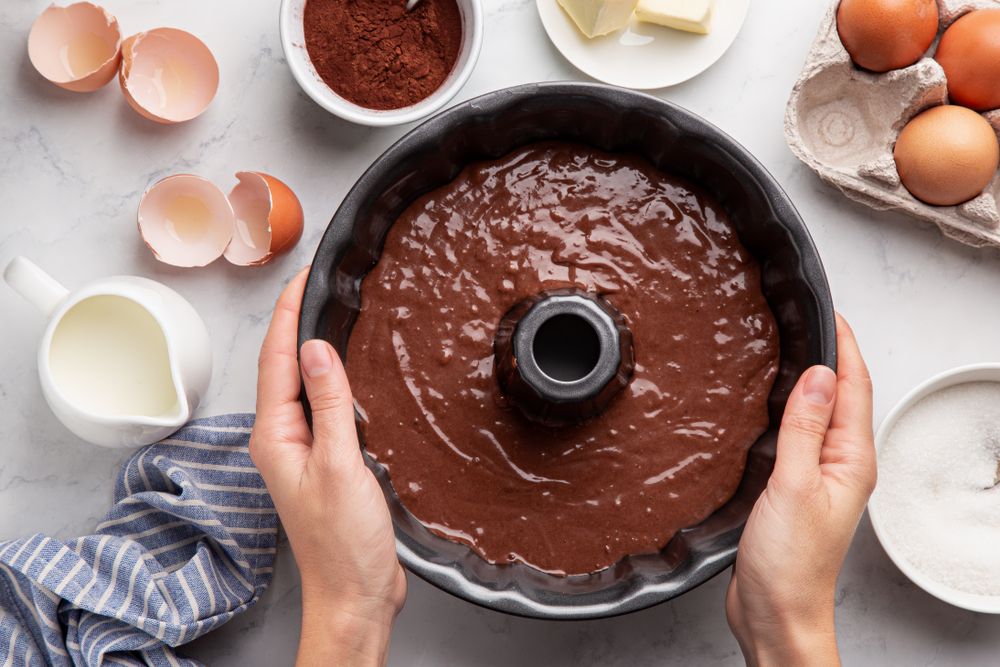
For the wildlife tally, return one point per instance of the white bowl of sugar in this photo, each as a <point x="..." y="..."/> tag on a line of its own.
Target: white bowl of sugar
<point x="936" y="509"/>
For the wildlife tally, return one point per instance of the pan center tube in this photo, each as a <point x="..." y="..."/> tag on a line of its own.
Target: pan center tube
<point x="563" y="355"/>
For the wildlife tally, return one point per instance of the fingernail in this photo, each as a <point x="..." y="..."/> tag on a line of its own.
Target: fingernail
<point x="316" y="356"/>
<point x="820" y="385"/>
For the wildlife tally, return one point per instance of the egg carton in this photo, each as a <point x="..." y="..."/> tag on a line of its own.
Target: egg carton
<point x="843" y="122"/>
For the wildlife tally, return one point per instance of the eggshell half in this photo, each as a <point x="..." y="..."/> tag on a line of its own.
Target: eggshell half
<point x="76" y="47"/>
<point x="186" y="220"/>
<point x="168" y="75"/>
<point x="268" y="219"/>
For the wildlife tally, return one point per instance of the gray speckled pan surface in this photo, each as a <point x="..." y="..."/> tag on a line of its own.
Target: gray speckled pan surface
<point x="674" y="140"/>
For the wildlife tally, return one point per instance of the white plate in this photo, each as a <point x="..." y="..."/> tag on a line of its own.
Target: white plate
<point x="644" y="55"/>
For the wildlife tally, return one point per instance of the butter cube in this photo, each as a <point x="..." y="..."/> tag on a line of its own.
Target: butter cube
<point x="687" y="15"/>
<point x="599" y="17"/>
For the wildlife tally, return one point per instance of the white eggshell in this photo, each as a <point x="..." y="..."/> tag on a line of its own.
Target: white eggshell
<point x="76" y="47"/>
<point x="186" y="220"/>
<point x="268" y="219"/>
<point x="168" y="75"/>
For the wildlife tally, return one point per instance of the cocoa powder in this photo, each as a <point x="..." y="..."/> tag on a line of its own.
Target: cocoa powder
<point x="378" y="55"/>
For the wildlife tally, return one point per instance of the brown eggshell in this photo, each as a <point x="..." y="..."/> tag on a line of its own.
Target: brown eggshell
<point x="946" y="155"/>
<point x="969" y="53"/>
<point x="77" y="47"/>
<point x="186" y="220"/>
<point x="269" y="219"/>
<point x="168" y="75"/>
<point x="882" y="35"/>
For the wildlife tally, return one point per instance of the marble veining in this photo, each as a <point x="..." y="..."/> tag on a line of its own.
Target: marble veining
<point x="72" y="168"/>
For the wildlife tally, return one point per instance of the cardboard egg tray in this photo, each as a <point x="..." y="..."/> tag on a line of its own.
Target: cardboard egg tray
<point x="843" y="123"/>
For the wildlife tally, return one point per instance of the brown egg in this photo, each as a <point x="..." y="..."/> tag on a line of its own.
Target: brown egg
<point x="882" y="35"/>
<point x="969" y="52"/>
<point x="947" y="155"/>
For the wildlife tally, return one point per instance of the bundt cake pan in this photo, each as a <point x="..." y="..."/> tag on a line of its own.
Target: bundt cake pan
<point x="675" y="141"/>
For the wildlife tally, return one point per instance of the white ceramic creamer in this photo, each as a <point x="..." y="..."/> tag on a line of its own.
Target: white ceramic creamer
<point x="124" y="361"/>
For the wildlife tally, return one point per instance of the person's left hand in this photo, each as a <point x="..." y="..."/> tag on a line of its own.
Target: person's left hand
<point x="780" y="603"/>
<point x="329" y="502"/>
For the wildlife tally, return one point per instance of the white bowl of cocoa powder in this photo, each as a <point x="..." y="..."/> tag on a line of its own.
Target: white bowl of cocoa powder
<point x="372" y="62"/>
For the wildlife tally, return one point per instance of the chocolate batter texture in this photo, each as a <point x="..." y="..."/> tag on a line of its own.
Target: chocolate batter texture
<point x="671" y="447"/>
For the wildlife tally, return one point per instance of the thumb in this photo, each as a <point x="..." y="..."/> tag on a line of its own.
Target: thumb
<point x="334" y="432"/>
<point x="805" y="423"/>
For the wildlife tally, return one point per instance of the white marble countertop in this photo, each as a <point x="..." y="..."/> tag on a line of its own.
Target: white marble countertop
<point x="71" y="171"/>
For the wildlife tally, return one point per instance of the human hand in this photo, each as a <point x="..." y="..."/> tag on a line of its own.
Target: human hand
<point x="329" y="502"/>
<point x="781" y="597"/>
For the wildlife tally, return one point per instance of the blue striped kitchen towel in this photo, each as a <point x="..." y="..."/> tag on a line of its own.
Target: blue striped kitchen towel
<point x="189" y="544"/>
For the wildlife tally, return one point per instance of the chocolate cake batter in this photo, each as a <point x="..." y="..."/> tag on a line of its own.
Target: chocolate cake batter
<point x="671" y="447"/>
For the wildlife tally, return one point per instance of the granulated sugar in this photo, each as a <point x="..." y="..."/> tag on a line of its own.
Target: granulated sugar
<point x="938" y="496"/>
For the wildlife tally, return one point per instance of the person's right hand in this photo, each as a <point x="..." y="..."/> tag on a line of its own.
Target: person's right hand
<point x="781" y="597"/>
<point x="329" y="502"/>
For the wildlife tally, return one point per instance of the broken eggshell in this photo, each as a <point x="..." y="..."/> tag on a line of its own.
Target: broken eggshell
<point x="168" y="75"/>
<point x="186" y="220"/>
<point x="76" y="47"/>
<point x="268" y="219"/>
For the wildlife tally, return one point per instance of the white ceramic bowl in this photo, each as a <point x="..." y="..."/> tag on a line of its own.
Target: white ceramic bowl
<point x="293" y="43"/>
<point x="989" y="604"/>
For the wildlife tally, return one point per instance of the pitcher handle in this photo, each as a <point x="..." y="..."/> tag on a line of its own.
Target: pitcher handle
<point x="35" y="285"/>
